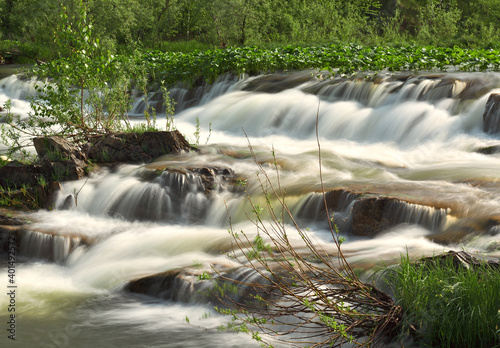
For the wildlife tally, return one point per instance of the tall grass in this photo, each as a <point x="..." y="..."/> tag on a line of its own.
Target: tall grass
<point x="449" y="306"/>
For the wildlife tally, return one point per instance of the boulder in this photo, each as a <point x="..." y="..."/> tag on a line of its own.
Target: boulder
<point x="368" y="214"/>
<point x="491" y="116"/>
<point x="66" y="159"/>
<point x="222" y="287"/>
<point x="16" y="174"/>
<point x="134" y="147"/>
<point x="459" y="260"/>
<point x="56" y="148"/>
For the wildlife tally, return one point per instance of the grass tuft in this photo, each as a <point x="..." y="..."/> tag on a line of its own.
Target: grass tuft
<point x="449" y="306"/>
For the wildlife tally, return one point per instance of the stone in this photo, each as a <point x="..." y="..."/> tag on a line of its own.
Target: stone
<point x="491" y="116"/>
<point x="368" y="214"/>
<point x="459" y="259"/>
<point x="56" y="148"/>
<point x="136" y="148"/>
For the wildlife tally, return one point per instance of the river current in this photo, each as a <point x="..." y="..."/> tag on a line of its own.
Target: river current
<point x="418" y="139"/>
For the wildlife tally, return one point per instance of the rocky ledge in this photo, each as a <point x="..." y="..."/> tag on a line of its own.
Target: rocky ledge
<point x="31" y="186"/>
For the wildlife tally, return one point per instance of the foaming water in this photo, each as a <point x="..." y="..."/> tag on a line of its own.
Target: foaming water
<point x="413" y="142"/>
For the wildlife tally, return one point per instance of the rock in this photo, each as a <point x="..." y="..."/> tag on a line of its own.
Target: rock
<point x="66" y="159"/>
<point x="367" y="214"/>
<point x="467" y="228"/>
<point x="202" y="285"/>
<point x="16" y="174"/>
<point x="489" y="150"/>
<point x="275" y="83"/>
<point x="491" y="116"/>
<point x="459" y="259"/>
<point x="136" y="148"/>
<point x="56" y="148"/>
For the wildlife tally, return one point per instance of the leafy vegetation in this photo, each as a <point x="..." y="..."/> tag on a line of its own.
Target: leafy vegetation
<point x="25" y="25"/>
<point x="173" y="67"/>
<point x="86" y="90"/>
<point x="449" y="306"/>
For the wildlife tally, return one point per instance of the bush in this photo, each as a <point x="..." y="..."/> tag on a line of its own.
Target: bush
<point x="302" y="295"/>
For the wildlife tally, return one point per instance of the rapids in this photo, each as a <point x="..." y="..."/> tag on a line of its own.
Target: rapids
<point x="416" y="139"/>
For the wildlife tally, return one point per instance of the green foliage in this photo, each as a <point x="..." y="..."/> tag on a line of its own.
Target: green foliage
<point x="86" y="90"/>
<point x="86" y="93"/>
<point x="204" y="276"/>
<point x="174" y="67"/>
<point x="447" y="306"/>
<point x="185" y="25"/>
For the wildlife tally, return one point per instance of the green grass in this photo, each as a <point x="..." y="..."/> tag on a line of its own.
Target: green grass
<point x="449" y="307"/>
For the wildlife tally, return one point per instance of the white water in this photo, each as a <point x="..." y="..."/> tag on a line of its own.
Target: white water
<point x="415" y="139"/>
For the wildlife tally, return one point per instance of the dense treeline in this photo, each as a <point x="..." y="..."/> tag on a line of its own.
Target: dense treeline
<point x="26" y="26"/>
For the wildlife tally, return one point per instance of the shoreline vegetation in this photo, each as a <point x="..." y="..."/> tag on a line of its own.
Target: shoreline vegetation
<point x="93" y="55"/>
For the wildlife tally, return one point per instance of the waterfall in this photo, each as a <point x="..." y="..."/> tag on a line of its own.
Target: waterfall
<point x="344" y="207"/>
<point x="17" y="90"/>
<point x="45" y="246"/>
<point x="403" y="160"/>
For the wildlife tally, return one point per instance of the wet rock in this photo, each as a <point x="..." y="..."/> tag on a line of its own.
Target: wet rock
<point x="467" y="228"/>
<point x="489" y="150"/>
<point x="200" y="285"/>
<point x="67" y="160"/>
<point x="136" y="148"/>
<point x="29" y="186"/>
<point x="368" y="214"/>
<point x="56" y="148"/>
<point x="52" y="247"/>
<point x="10" y="228"/>
<point x="276" y="83"/>
<point x="459" y="260"/>
<point x="15" y="174"/>
<point x="491" y="116"/>
<point x="17" y="233"/>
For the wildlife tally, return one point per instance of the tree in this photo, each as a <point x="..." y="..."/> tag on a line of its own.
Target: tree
<point x="85" y="92"/>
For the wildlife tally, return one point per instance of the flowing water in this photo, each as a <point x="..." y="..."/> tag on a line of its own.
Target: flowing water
<point x="416" y="140"/>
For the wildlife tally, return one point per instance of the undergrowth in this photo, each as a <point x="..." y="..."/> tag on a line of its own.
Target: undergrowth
<point x="449" y="306"/>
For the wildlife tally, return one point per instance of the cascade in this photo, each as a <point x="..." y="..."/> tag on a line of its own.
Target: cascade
<point x="401" y="162"/>
<point x="45" y="246"/>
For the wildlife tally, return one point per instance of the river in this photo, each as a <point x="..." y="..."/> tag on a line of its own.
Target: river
<point x="416" y="139"/>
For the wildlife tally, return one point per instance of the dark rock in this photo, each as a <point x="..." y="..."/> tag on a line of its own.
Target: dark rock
<point x="136" y="148"/>
<point x="367" y="214"/>
<point x="201" y="285"/>
<point x="459" y="260"/>
<point x="489" y="150"/>
<point x="68" y="202"/>
<point x="52" y="247"/>
<point x="9" y="240"/>
<point x="15" y="174"/>
<point x="491" y="116"/>
<point x="276" y="83"/>
<point x="56" y="148"/>
<point x="66" y="160"/>
<point x="467" y="228"/>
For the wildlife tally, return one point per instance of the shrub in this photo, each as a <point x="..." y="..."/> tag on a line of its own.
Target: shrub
<point x="302" y="297"/>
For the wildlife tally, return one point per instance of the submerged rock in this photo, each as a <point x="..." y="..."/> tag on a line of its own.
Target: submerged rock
<point x="17" y="236"/>
<point x="459" y="260"/>
<point x="220" y="285"/>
